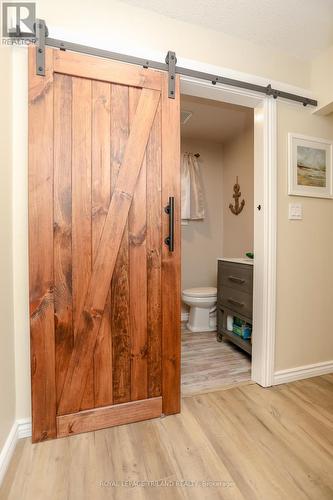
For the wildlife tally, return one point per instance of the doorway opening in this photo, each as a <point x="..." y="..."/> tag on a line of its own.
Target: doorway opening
<point x="217" y="228"/>
<point x="264" y="214"/>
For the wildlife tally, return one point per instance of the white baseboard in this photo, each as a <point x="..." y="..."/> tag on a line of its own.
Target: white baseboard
<point x="301" y="372"/>
<point x="184" y="316"/>
<point x="20" y="429"/>
<point x="8" y="450"/>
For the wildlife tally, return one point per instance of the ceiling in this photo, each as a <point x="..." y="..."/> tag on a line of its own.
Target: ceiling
<point x="300" y="27"/>
<point x="214" y="121"/>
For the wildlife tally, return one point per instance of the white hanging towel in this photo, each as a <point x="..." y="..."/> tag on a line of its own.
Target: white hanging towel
<point x="192" y="192"/>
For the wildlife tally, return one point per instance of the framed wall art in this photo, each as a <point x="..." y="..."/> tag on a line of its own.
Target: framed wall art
<point x="309" y="166"/>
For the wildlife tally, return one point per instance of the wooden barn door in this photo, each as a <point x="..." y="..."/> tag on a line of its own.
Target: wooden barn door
<point x="104" y="287"/>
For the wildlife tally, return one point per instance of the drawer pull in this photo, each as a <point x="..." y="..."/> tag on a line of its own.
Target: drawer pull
<point x="236" y="303"/>
<point x="236" y="280"/>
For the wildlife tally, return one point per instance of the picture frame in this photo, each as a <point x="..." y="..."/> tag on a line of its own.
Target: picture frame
<point x="309" y="166"/>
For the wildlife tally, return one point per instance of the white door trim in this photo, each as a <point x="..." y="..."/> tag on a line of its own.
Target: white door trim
<point x="264" y="293"/>
<point x="265" y="220"/>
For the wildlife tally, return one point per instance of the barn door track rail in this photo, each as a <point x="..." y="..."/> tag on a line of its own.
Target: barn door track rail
<point x="170" y="66"/>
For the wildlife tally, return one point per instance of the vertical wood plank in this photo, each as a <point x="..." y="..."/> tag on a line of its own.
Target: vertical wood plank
<point x="62" y="226"/>
<point x="41" y="249"/>
<point x="101" y="195"/>
<point x="108" y="250"/>
<point x="154" y="242"/>
<point x="81" y="208"/>
<point x="171" y="260"/>
<point x="84" y="128"/>
<point x="120" y="327"/>
<point x="138" y="274"/>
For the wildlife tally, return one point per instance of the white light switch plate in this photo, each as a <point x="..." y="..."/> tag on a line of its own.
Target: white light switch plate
<point x="295" y="211"/>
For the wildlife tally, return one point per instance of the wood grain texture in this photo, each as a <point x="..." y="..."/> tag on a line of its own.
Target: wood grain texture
<point x="274" y="443"/>
<point x="208" y="365"/>
<point x="104" y="263"/>
<point x="81" y="216"/>
<point x="171" y="260"/>
<point x="120" y="326"/>
<point x="101" y="195"/>
<point x="62" y="242"/>
<point x="154" y="242"/>
<point x="42" y="334"/>
<point x="96" y="238"/>
<point x="109" y="416"/>
<point x="137" y="229"/>
<point x="85" y="66"/>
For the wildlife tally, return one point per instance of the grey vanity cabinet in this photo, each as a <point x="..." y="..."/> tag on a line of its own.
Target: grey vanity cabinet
<point x="234" y="298"/>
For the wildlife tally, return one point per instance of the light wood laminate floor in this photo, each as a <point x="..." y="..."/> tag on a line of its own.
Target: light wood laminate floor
<point x="208" y="365"/>
<point x="251" y="443"/>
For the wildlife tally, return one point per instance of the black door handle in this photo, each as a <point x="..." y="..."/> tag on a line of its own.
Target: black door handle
<point x="170" y="210"/>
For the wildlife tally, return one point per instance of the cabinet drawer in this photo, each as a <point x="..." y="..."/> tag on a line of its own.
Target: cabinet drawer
<point x="236" y="300"/>
<point x="236" y="276"/>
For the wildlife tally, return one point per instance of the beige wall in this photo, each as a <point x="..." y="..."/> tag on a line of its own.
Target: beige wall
<point x="238" y="160"/>
<point x="202" y="240"/>
<point x="322" y="80"/>
<point x="120" y="27"/>
<point x="7" y="362"/>
<point x="304" y="257"/>
<point x="220" y="234"/>
<point x="20" y="233"/>
<point x="116" y="25"/>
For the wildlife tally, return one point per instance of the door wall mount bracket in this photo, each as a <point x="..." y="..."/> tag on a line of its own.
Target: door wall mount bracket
<point x="41" y="34"/>
<point x="171" y="61"/>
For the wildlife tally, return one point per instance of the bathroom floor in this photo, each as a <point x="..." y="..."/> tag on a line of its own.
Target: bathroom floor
<point x="208" y="365"/>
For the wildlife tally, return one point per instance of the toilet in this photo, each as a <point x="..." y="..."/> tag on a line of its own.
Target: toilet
<point x="202" y="303"/>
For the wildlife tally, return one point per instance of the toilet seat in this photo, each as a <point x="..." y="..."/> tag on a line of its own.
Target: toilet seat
<point x="209" y="291"/>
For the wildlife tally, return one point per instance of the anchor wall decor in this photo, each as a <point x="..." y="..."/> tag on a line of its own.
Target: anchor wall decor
<point x="238" y="207"/>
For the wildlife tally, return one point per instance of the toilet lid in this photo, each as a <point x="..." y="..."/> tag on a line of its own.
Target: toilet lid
<point x="209" y="291"/>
